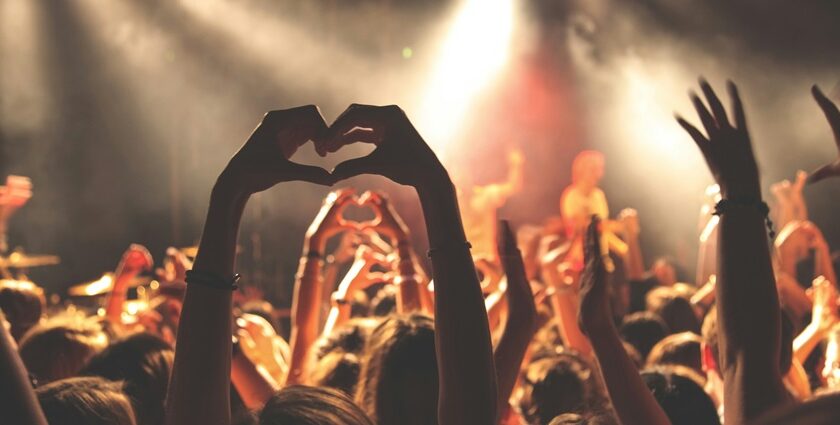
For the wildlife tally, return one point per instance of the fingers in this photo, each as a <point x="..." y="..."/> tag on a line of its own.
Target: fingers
<point x="706" y="118"/>
<point x="832" y="114"/>
<point x="696" y="135"/>
<point x="356" y="116"/>
<point x="355" y="167"/>
<point x="592" y="247"/>
<point x="505" y="239"/>
<point x="308" y="173"/>
<point x="824" y="172"/>
<point x="714" y="103"/>
<point x="737" y="106"/>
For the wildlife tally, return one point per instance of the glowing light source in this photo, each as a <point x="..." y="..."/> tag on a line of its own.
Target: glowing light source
<point x="473" y="52"/>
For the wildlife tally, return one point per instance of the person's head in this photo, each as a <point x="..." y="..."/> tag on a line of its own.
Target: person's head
<point x="338" y="355"/>
<point x="85" y="401"/>
<point x="680" y="395"/>
<point x="588" y="168"/>
<point x="384" y="302"/>
<point x="675" y="309"/>
<point x="556" y="384"/>
<point x="594" y="418"/>
<point x="23" y="304"/>
<point x="681" y="349"/>
<point x="59" y="348"/>
<point x="399" y="378"/>
<point x="144" y="363"/>
<point x="302" y="405"/>
<point x="643" y="329"/>
<point x="711" y="358"/>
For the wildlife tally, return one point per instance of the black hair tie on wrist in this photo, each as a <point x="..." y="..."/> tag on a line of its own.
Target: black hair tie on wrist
<point x="725" y="205"/>
<point x="448" y="247"/>
<point x="212" y="280"/>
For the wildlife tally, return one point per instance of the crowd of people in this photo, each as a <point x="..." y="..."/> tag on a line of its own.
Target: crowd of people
<point x="559" y="323"/>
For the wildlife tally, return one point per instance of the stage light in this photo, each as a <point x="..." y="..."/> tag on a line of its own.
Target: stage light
<point x="473" y="52"/>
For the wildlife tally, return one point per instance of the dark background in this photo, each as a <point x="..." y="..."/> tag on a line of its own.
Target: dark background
<point x="123" y="112"/>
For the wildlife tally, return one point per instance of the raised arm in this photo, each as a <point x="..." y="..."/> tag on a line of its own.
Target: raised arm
<point x="522" y="316"/>
<point x="200" y="388"/>
<point x="631" y="398"/>
<point x="832" y="114"/>
<point x="17" y="398"/>
<point x="748" y="306"/>
<point x="462" y="338"/>
<point x="135" y="260"/>
<point x="309" y="283"/>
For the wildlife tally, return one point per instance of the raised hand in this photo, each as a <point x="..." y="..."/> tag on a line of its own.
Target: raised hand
<point x="726" y="146"/>
<point x="595" y="312"/>
<point x="400" y="154"/>
<point x="135" y="260"/>
<point x="832" y="114"/>
<point x="330" y="220"/>
<point x="263" y="160"/>
<point x="387" y="221"/>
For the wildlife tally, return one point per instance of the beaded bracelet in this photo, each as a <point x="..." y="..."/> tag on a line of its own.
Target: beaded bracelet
<point x="212" y="280"/>
<point x="725" y="205"/>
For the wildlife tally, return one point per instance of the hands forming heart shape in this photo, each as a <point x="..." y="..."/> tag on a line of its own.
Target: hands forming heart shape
<point x="331" y="221"/>
<point x="264" y="160"/>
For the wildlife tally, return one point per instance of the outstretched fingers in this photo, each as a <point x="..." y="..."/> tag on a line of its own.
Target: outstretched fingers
<point x="718" y="112"/>
<point x="832" y="114"/>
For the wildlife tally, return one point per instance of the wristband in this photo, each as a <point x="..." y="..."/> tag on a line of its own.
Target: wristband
<point x="212" y="280"/>
<point x="725" y="205"/>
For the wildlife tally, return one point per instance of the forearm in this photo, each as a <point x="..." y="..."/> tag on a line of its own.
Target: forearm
<point x="748" y="317"/>
<point x="200" y="387"/>
<point x="631" y="398"/>
<point x="519" y="329"/>
<point x="806" y="341"/>
<point x="465" y="358"/>
<point x="564" y="302"/>
<point x="114" y="306"/>
<point x="305" y="314"/>
<point x="254" y="386"/>
<point x="408" y="295"/>
<point x="17" y="398"/>
<point x="824" y="266"/>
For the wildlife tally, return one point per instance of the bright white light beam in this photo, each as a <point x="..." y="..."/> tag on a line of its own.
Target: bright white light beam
<point x="475" y="49"/>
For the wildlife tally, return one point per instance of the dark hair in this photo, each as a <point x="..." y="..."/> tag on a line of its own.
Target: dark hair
<point x="558" y="384"/>
<point x="675" y="310"/>
<point x="338" y="355"/>
<point x="302" y="405"/>
<point x="678" y="349"/>
<point x="23" y="304"/>
<point x="643" y="329"/>
<point x="59" y="348"/>
<point x="681" y="397"/>
<point x="85" y="401"/>
<point x="144" y="362"/>
<point x="710" y="332"/>
<point x="399" y="378"/>
<point x="384" y="302"/>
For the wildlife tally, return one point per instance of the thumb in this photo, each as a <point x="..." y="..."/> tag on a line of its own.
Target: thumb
<point x="355" y="167"/>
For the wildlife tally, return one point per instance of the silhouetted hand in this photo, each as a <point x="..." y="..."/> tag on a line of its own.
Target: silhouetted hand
<point x="263" y="160"/>
<point x="400" y="154"/>
<point x="595" y="309"/>
<point x="833" y="116"/>
<point x="726" y="146"/>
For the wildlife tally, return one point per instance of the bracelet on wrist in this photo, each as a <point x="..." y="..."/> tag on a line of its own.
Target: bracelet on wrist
<point x="726" y="205"/>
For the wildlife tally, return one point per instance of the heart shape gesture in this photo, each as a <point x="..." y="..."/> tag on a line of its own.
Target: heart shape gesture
<point x="263" y="161"/>
<point x="400" y="155"/>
